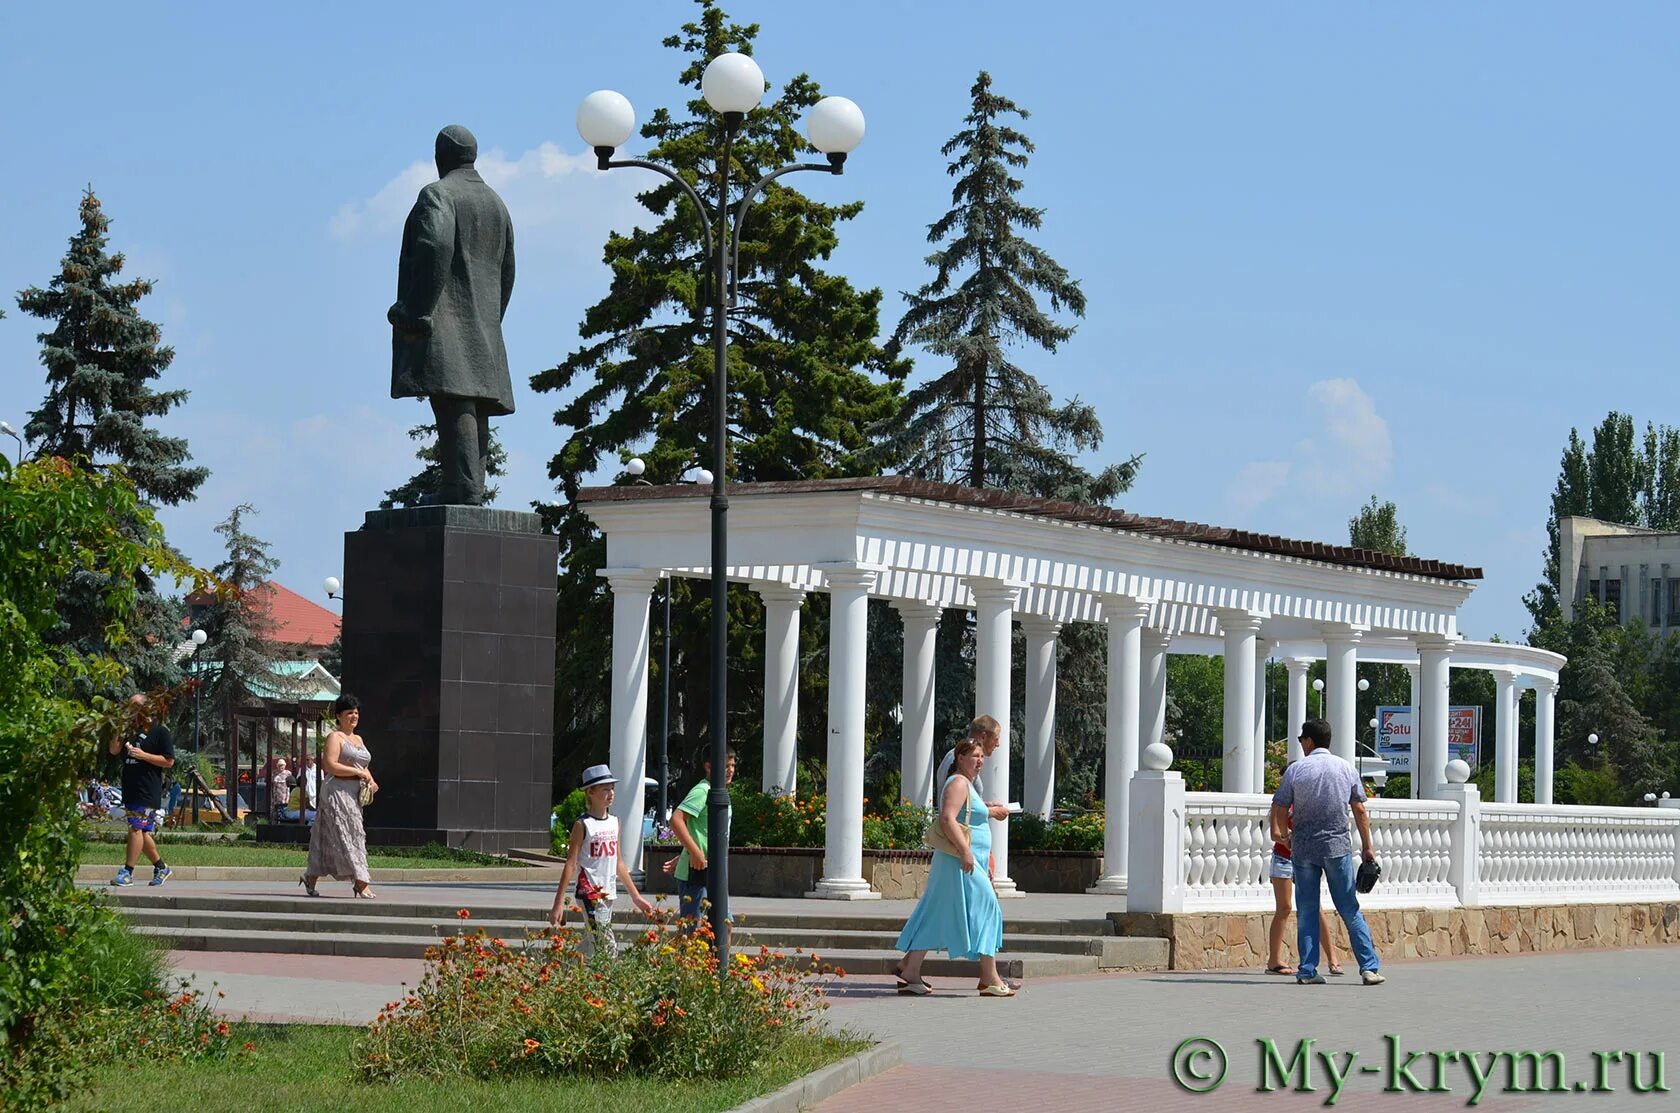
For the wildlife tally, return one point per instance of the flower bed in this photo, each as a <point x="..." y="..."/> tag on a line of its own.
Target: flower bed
<point x="488" y="1010"/>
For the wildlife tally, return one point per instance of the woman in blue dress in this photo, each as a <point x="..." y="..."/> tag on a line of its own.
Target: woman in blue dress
<point x="958" y="912"/>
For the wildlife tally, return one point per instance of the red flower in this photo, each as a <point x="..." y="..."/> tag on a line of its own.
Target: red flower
<point x="463" y="914"/>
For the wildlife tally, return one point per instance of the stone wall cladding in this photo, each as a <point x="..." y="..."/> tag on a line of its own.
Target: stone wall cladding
<point x="1219" y="940"/>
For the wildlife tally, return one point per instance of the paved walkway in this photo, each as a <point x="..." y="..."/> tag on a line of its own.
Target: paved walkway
<point x="1106" y="1042"/>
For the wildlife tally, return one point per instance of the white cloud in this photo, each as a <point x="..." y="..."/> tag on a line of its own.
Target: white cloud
<point x="549" y="193"/>
<point x="1349" y="450"/>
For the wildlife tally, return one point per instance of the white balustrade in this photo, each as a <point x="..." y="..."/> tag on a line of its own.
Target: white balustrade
<point x="1552" y="854"/>
<point x="1227" y="847"/>
<point x="1413" y="843"/>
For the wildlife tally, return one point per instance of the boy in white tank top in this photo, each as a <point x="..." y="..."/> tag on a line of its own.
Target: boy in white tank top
<point x="592" y="860"/>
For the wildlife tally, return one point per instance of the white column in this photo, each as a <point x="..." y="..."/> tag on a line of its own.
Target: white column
<point x="632" y="589"/>
<point x="1412" y="702"/>
<point x="1153" y="686"/>
<point x="848" y="659"/>
<point x="1545" y="702"/>
<point x="1038" y="790"/>
<point x="781" y="686"/>
<point x="1262" y="648"/>
<point x="1126" y="616"/>
<point x="1429" y="751"/>
<point x="994" y="607"/>
<point x="921" y="628"/>
<point x="1341" y="687"/>
<point x="1241" y="629"/>
<point x="1505" y="736"/>
<point x="1297" y="667"/>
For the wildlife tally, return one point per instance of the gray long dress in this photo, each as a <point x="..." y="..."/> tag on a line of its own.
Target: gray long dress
<point x="338" y="842"/>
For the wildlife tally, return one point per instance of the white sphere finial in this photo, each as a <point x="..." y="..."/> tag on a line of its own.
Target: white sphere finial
<point x="1458" y="771"/>
<point x="732" y="83"/>
<point x="1156" y="757"/>
<point x="605" y="119"/>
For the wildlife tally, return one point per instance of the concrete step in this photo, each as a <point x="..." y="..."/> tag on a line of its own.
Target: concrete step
<point x="1110" y="952"/>
<point x="434" y="913"/>
<point x="365" y="945"/>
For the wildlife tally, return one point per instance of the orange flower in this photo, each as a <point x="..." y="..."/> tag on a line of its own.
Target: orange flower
<point x="249" y="1046"/>
<point x="222" y="1029"/>
<point x="462" y="914"/>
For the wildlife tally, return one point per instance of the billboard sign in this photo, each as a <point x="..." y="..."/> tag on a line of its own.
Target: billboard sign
<point x="1397" y="729"/>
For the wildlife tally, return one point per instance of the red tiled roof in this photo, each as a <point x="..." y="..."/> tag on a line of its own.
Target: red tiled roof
<point x="294" y="620"/>
<point x="1107" y="516"/>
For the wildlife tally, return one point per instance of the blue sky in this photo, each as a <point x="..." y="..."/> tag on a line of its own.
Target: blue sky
<point x="1330" y="251"/>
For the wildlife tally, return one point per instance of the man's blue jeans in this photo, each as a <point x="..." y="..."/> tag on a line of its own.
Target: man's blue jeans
<point x="1339" y="874"/>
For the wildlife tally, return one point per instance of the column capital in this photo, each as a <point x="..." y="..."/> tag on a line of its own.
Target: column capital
<point x="1041" y="625"/>
<point x="1504" y="678"/>
<point x="1125" y="607"/>
<point x="1543" y="685"/>
<point x="1156" y="639"/>
<point x="776" y="592"/>
<point x="992" y="589"/>
<point x="1435" y="643"/>
<point x="627" y="581"/>
<point x="1342" y="633"/>
<point x="840" y="576"/>
<point x="917" y="610"/>
<point x="1297" y="666"/>
<point x="1237" y="620"/>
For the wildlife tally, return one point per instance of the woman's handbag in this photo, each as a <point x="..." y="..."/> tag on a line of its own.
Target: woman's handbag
<point x="935" y="837"/>
<point x="365" y="796"/>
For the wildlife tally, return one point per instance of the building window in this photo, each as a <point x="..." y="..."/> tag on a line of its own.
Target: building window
<point x="1592" y="590"/>
<point x="1673" y="607"/>
<point x="1613" y="597"/>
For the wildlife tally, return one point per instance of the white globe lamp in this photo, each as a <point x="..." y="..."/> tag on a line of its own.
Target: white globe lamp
<point x="199" y="637"/>
<point x="835" y="126"/>
<point x="635" y="467"/>
<point x="1364" y="685"/>
<point x="732" y="83"/>
<point x="332" y="585"/>
<point x="605" y="120"/>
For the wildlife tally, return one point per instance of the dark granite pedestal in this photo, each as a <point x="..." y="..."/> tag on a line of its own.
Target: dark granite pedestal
<point x="449" y="645"/>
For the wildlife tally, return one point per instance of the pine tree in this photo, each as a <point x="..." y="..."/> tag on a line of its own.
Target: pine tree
<point x="101" y="359"/>
<point x="237" y="624"/>
<point x="1571" y="497"/>
<point x="430" y="476"/>
<point x="1377" y="527"/>
<point x="987" y="422"/>
<point x="806" y="375"/>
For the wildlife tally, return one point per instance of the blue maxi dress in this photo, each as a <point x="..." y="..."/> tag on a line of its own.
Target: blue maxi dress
<point x="958" y="912"/>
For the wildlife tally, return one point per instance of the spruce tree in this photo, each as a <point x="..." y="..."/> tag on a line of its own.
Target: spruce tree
<point x="986" y="421"/>
<point x="430" y="476"/>
<point x="102" y="357"/>
<point x="806" y="375"/>
<point x="237" y="624"/>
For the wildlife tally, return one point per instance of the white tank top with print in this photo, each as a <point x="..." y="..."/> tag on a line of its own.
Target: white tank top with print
<point x="598" y="859"/>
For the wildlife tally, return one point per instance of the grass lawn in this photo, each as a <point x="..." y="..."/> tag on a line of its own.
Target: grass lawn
<point x="307" y="1067"/>
<point x="250" y="854"/>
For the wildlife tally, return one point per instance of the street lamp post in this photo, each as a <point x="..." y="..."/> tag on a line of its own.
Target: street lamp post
<point x="1318" y="686"/>
<point x="6" y="428"/>
<point x="199" y="637"/>
<point x="733" y="85"/>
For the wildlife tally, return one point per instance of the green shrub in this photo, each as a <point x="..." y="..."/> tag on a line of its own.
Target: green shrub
<point x="488" y="1010"/>
<point x="1079" y="833"/>
<point x="899" y="825"/>
<point x="566" y="813"/>
<point x="760" y="819"/>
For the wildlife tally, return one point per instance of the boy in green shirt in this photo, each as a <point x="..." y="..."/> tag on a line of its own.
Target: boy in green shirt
<point x="691" y="823"/>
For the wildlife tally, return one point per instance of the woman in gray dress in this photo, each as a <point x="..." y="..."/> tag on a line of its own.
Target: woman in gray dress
<point x="338" y="841"/>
